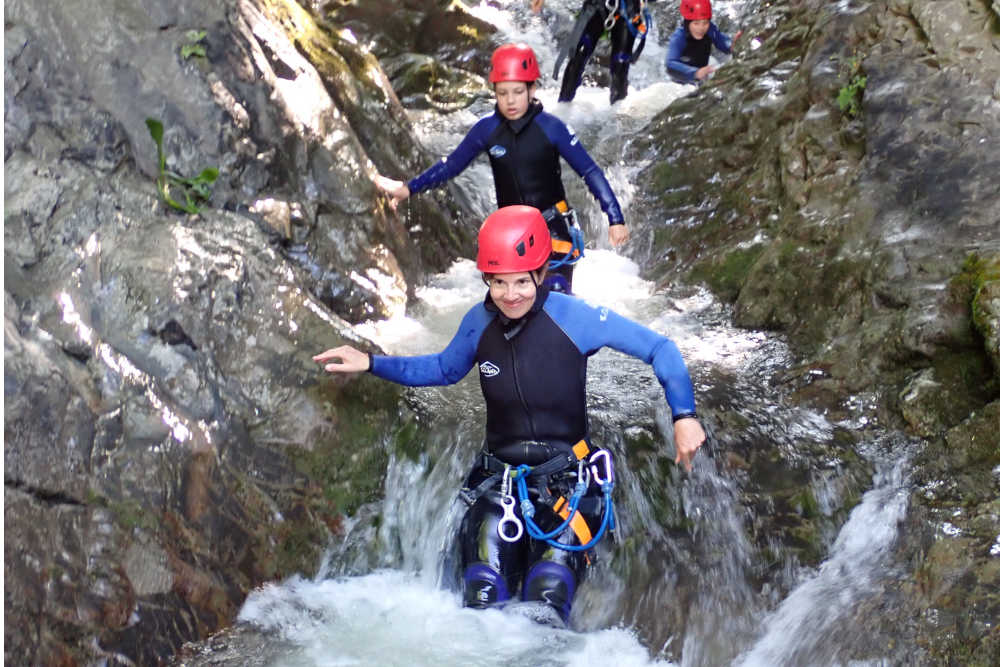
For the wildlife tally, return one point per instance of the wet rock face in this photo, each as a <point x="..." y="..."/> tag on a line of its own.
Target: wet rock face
<point x="168" y="442"/>
<point x="844" y="231"/>
<point x="870" y="239"/>
<point x="436" y="54"/>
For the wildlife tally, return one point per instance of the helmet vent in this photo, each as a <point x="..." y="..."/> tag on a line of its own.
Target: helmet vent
<point x="520" y="249"/>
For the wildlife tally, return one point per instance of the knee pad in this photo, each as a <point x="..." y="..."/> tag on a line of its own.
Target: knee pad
<point x="551" y="583"/>
<point x="484" y="586"/>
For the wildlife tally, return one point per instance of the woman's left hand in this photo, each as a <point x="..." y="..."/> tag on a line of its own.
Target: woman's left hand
<point x="688" y="437"/>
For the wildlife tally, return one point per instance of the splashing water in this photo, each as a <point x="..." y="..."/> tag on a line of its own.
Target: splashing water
<point x="393" y="618"/>
<point x="386" y="594"/>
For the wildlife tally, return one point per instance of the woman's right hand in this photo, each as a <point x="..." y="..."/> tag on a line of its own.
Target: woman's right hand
<point x="344" y="359"/>
<point x="703" y="72"/>
<point x="536" y="5"/>
<point x="396" y="190"/>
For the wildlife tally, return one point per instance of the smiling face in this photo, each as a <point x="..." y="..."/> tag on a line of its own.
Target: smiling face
<point x="699" y="28"/>
<point x="513" y="293"/>
<point x="513" y="98"/>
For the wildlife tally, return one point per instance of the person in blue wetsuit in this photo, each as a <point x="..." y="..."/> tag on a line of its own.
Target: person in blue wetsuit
<point x="625" y="21"/>
<point x="691" y="44"/>
<point x="531" y="347"/>
<point x="524" y="144"/>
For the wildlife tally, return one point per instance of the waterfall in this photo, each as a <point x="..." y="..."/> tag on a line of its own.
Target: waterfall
<point x="682" y="576"/>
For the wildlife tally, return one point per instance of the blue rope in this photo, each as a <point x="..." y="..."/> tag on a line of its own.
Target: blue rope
<point x="528" y="508"/>
<point x="608" y="522"/>
<point x="528" y="512"/>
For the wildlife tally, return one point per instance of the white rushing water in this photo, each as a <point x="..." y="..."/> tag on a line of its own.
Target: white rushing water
<point x="384" y="596"/>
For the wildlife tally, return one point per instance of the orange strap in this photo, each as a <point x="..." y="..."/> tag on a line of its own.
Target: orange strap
<point x="564" y="247"/>
<point x="577" y="523"/>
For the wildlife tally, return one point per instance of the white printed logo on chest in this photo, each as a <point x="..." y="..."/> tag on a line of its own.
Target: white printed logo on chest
<point x="489" y="369"/>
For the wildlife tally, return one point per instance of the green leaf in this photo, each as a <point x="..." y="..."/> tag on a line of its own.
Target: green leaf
<point x="208" y="175"/>
<point x="155" y="130"/>
<point x="189" y="50"/>
<point x="193" y="189"/>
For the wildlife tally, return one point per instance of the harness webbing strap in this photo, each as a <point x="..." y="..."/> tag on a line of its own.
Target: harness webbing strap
<point x="578" y="523"/>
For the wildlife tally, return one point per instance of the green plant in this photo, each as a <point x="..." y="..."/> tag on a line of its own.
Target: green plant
<point x="194" y="189"/>
<point x="194" y="47"/>
<point x="849" y="98"/>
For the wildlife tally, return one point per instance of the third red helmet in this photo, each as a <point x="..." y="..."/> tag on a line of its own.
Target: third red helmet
<point x="696" y="10"/>
<point x="514" y="62"/>
<point x="513" y="239"/>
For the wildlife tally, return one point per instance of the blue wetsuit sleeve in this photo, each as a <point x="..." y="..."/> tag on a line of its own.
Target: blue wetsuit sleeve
<point x="446" y="367"/>
<point x="594" y="327"/>
<point x="449" y="167"/>
<point x="568" y="145"/>
<point x="674" y="52"/>
<point x="721" y="40"/>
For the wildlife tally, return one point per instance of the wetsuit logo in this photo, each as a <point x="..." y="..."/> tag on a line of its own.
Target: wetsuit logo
<point x="497" y="151"/>
<point x="573" y="141"/>
<point x="489" y="369"/>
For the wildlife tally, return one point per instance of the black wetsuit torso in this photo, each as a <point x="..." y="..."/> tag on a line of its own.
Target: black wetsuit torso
<point x="542" y="394"/>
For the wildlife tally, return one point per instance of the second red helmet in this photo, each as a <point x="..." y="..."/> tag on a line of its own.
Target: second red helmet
<point x="514" y="62"/>
<point x="513" y="239"/>
<point x="696" y="10"/>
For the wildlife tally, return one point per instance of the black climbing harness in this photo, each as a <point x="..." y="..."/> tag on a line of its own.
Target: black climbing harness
<point x="589" y="464"/>
<point x="639" y="26"/>
<point x="570" y="251"/>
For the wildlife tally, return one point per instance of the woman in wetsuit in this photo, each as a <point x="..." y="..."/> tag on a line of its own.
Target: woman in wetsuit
<point x="531" y="348"/>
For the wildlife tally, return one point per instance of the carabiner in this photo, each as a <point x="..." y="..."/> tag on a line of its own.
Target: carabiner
<point x="608" y="466"/>
<point x="509" y="517"/>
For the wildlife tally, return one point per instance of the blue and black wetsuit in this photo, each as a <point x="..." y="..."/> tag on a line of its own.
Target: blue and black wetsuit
<point x="686" y="55"/>
<point x="525" y="157"/>
<point x="533" y="376"/>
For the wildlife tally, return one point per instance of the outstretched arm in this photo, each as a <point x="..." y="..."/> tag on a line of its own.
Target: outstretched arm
<point x="447" y="168"/>
<point x="594" y="327"/>
<point x="446" y="367"/>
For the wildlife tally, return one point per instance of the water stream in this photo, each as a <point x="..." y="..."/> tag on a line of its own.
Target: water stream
<point x="386" y="595"/>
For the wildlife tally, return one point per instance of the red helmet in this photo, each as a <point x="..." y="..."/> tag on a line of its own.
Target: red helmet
<point x="514" y="62"/>
<point x="696" y="10"/>
<point x="513" y="239"/>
